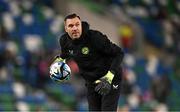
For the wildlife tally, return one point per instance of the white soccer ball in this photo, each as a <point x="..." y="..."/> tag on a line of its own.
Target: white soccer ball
<point x="59" y="72"/>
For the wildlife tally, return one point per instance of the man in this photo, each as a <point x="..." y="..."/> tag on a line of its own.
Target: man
<point x="98" y="59"/>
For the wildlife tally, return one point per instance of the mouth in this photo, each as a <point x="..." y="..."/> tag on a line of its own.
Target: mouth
<point x="75" y="33"/>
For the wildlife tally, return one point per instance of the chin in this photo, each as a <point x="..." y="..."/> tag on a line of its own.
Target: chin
<point x="76" y="37"/>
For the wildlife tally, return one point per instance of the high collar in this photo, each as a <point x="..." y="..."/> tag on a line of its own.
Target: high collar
<point x="85" y="28"/>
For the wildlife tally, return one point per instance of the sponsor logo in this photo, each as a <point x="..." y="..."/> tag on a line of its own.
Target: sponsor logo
<point x="115" y="86"/>
<point x="71" y="52"/>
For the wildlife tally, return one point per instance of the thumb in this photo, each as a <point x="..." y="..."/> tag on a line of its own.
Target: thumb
<point x="97" y="81"/>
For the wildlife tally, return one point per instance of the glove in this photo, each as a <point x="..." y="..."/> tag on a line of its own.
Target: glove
<point x="104" y="84"/>
<point x="58" y="58"/>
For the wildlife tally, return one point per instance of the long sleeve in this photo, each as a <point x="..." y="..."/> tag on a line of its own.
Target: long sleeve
<point x="109" y="49"/>
<point x="64" y="51"/>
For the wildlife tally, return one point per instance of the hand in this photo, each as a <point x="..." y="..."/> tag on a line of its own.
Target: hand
<point x="58" y="58"/>
<point x="104" y="84"/>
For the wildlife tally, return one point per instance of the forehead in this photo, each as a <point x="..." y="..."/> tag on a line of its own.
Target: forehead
<point x="73" y="21"/>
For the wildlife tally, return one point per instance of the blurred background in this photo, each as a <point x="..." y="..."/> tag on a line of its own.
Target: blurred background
<point x="147" y="30"/>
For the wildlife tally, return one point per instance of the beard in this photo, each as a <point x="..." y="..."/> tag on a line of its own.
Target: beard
<point x="75" y="36"/>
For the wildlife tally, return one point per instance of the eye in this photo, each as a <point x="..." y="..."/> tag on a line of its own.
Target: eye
<point x="77" y="24"/>
<point x="70" y="25"/>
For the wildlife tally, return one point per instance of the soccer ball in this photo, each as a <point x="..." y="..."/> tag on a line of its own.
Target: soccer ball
<point x="59" y="72"/>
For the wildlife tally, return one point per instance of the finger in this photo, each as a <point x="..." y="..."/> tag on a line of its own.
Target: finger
<point x="100" y="91"/>
<point x="97" y="81"/>
<point x="98" y="87"/>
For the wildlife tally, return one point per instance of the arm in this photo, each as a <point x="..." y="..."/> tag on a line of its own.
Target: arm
<point x="112" y="51"/>
<point x="63" y="55"/>
<point x="107" y="48"/>
<point x="64" y="52"/>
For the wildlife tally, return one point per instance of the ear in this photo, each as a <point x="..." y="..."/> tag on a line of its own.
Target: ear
<point x="65" y="28"/>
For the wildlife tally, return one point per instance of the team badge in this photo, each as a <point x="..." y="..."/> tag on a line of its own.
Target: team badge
<point x="85" y="50"/>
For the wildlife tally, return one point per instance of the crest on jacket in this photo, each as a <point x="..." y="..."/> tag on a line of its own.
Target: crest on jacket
<point x="85" y="50"/>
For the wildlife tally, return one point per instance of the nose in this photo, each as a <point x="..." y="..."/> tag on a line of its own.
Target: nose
<point x="74" y="27"/>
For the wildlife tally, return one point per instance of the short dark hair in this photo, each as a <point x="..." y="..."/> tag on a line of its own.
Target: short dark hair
<point x="71" y="16"/>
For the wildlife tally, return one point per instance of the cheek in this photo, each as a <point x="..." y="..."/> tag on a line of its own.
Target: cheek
<point x="68" y="30"/>
<point x="80" y="29"/>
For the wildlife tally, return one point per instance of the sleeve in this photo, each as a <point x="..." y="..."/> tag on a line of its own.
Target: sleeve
<point x="107" y="48"/>
<point x="64" y="51"/>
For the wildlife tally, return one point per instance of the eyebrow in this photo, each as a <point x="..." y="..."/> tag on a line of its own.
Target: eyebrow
<point x="75" y="23"/>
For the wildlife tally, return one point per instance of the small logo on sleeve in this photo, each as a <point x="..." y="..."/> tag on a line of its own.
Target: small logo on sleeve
<point x="71" y="52"/>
